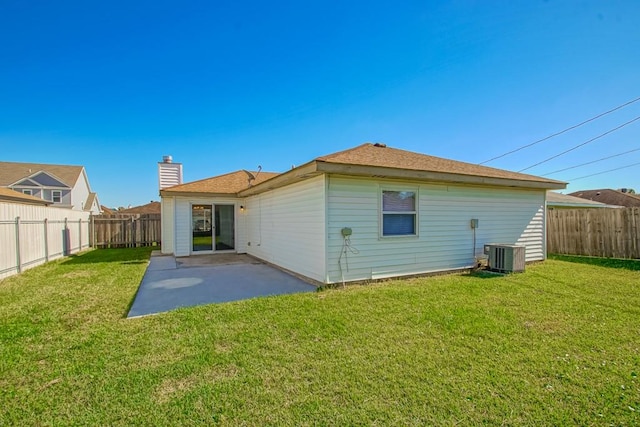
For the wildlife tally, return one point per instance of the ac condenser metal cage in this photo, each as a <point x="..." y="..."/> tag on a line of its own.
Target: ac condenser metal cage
<point x="505" y="258"/>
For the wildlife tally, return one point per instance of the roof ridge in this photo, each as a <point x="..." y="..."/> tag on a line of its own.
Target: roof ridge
<point x="326" y="156"/>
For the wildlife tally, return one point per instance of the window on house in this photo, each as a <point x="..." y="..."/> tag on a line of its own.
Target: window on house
<point x="56" y="196"/>
<point x="28" y="192"/>
<point x="399" y="213"/>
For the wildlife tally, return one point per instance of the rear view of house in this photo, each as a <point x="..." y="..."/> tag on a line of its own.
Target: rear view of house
<point x="366" y="213"/>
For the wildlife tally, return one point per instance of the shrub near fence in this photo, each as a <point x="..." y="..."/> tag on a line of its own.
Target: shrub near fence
<point x="126" y="230"/>
<point x="31" y="235"/>
<point x="611" y="233"/>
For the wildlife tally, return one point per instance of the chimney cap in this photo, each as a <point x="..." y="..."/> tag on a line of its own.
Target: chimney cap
<point x="167" y="159"/>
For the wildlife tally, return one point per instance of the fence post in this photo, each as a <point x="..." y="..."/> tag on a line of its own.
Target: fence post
<point x="18" y="261"/>
<point x="65" y="239"/>
<point x="92" y="231"/>
<point x="80" y="234"/>
<point x="46" y="240"/>
<point x="133" y="233"/>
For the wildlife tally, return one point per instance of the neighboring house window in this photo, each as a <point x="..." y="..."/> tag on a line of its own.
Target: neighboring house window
<point x="56" y="196"/>
<point x="29" y="192"/>
<point x="399" y="213"/>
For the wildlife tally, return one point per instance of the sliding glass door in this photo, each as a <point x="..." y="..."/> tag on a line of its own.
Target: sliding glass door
<point x="213" y="228"/>
<point x="202" y="227"/>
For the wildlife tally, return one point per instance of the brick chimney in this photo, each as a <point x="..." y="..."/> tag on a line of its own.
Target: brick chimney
<point x="169" y="173"/>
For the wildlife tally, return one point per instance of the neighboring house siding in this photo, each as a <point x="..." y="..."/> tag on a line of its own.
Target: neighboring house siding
<point x="286" y="227"/>
<point x="445" y="238"/>
<point x="167" y="218"/>
<point x="79" y="194"/>
<point x="183" y="225"/>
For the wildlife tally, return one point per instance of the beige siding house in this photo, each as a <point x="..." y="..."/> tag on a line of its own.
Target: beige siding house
<point x="366" y="213"/>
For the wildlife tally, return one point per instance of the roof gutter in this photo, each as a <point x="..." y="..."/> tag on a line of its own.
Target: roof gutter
<point x="205" y="194"/>
<point x="316" y="167"/>
<point x="300" y="173"/>
<point x="383" y="172"/>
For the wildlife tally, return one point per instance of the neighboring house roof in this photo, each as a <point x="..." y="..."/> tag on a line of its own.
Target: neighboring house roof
<point x="229" y="184"/>
<point x="610" y="197"/>
<point x="12" y="172"/>
<point x="566" y="201"/>
<point x="149" y="208"/>
<point x="12" y="196"/>
<point x="91" y="199"/>
<point x="106" y="210"/>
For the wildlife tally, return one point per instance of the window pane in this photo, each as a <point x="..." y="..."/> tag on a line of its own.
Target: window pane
<point x="398" y="224"/>
<point x="398" y="201"/>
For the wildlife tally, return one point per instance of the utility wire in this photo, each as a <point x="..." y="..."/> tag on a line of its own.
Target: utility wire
<point x="580" y="145"/>
<point x="562" y="131"/>
<point x="607" y="171"/>
<point x="591" y="162"/>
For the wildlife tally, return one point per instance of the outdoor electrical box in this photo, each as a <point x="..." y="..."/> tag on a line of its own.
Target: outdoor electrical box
<point x="346" y="232"/>
<point x="474" y="223"/>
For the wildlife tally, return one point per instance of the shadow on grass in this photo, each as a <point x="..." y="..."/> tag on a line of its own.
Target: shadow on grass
<point x="120" y="256"/>
<point x="484" y="274"/>
<point x="626" y="264"/>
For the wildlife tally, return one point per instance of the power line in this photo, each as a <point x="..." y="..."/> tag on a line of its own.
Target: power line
<point x="562" y="131"/>
<point x="591" y="162"/>
<point x="607" y="171"/>
<point x="580" y="145"/>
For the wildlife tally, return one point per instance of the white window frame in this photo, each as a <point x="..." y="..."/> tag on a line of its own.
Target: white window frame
<point x="415" y="212"/>
<point x="27" y="192"/>
<point x="53" y="196"/>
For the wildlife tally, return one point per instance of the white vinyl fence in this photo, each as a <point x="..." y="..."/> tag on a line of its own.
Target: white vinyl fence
<point x="31" y="235"/>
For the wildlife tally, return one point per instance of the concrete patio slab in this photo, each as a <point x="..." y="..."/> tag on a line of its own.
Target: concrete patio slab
<point x="169" y="283"/>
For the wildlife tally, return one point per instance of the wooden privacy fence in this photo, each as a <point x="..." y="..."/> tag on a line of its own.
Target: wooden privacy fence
<point x="31" y="235"/>
<point x="611" y="233"/>
<point x="126" y="230"/>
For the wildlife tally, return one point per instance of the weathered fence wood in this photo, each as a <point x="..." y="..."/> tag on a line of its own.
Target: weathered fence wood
<point x="126" y="230"/>
<point x="611" y="233"/>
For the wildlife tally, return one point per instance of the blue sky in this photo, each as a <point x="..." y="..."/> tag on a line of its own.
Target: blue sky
<point x="223" y="86"/>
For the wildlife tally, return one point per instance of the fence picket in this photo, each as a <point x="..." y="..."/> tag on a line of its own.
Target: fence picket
<point x="611" y="233"/>
<point x="126" y="230"/>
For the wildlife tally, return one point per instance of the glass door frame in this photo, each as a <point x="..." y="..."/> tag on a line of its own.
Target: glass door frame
<point x="213" y="227"/>
<point x="192" y="250"/>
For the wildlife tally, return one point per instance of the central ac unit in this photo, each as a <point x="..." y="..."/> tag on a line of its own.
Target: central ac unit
<point x="505" y="258"/>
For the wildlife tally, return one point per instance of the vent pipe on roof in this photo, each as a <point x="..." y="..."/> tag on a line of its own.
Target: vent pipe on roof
<point x="380" y="145"/>
<point x="169" y="173"/>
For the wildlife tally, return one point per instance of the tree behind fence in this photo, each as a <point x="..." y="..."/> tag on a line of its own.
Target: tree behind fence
<point x="126" y="230"/>
<point x="612" y="233"/>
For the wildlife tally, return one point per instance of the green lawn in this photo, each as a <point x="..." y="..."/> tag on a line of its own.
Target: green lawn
<point x="557" y="345"/>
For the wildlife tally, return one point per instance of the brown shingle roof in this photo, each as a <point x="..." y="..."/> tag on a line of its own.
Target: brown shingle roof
<point x="230" y="183"/>
<point x="106" y="210"/>
<point x="9" y="195"/>
<point x="88" y="204"/>
<point x="149" y="208"/>
<point x="610" y="197"/>
<point x="11" y="172"/>
<point x="380" y="155"/>
<point x="566" y="200"/>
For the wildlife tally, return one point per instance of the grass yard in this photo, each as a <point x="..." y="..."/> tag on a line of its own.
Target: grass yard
<point x="557" y="345"/>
